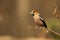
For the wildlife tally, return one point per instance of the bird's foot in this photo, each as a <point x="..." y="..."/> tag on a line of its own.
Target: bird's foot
<point x="36" y="27"/>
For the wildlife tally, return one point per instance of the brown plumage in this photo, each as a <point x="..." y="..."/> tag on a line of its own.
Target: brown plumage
<point x="38" y="19"/>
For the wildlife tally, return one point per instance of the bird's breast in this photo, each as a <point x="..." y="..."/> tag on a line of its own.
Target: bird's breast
<point x="37" y="20"/>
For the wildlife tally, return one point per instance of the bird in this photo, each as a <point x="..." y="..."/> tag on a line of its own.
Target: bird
<point x="38" y="19"/>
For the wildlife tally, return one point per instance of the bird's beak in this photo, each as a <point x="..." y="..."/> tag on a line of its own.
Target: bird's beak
<point x="32" y="13"/>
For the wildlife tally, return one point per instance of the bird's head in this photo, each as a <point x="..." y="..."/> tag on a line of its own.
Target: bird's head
<point x="33" y="12"/>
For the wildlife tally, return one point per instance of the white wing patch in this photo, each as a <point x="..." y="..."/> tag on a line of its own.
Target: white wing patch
<point x="41" y="18"/>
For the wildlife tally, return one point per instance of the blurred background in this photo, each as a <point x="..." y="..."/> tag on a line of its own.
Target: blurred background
<point x="16" y="21"/>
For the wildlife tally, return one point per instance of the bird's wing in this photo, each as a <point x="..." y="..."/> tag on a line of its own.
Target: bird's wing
<point x="40" y="16"/>
<point x="44" y="23"/>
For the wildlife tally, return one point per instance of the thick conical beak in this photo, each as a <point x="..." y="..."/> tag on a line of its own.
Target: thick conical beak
<point x="32" y="13"/>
